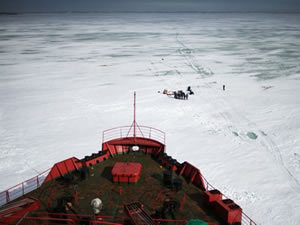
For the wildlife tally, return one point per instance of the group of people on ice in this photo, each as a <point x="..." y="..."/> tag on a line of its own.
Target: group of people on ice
<point x="180" y="94"/>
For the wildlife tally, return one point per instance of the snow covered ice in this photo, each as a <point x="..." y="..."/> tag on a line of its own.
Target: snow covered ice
<point x="67" y="77"/>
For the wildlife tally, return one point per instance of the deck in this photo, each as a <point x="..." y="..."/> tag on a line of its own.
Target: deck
<point x="150" y="191"/>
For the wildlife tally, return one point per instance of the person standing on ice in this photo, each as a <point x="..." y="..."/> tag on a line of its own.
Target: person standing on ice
<point x="223" y="87"/>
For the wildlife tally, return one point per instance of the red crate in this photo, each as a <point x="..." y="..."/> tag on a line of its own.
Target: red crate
<point x="126" y="172"/>
<point x="229" y="211"/>
<point x="212" y="196"/>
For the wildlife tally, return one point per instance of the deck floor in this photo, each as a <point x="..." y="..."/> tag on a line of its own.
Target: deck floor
<point x="150" y="191"/>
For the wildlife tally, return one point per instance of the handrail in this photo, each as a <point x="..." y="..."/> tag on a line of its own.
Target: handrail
<point x="75" y="218"/>
<point x="47" y="219"/>
<point x="23" y="188"/>
<point x="127" y="131"/>
<point x="113" y="218"/>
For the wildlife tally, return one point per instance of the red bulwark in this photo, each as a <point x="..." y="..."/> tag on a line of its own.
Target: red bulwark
<point x="17" y="210"/>
<point x="229" y="211"/>
<point x="210" y="197"/>
<point x="126" y="172"/>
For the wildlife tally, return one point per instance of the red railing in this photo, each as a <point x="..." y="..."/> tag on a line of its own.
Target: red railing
<point x="22" y="188"/>
<point x="31" y="220"/>
<point x="128" y="131"/>
<point x="182" y="222"/>
<point x="74" y="219"/>
<point x="246" y="220"/>
<point x="165" y="221"/>
<point x="115" y="219"/>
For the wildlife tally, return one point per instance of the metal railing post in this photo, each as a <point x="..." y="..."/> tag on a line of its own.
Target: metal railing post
<point x="74" y="220"/>
<point x="7" y="196"/>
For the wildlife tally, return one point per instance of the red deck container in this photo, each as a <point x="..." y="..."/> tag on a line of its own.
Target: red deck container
<point x="229" y="211"/>
<point x="212" y="196"/>
<point x="126" y="172"/>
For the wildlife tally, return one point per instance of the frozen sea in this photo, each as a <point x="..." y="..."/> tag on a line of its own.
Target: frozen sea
<point x="64" y="78"/>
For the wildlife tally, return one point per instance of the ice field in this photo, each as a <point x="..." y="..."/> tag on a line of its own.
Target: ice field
<point x="64" y="78"/>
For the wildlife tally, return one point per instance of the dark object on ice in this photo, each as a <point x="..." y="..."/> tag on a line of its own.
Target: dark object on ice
<point x="189" y="89"/>
<point x="223" y="87"/>
<point x="179" y="95"/>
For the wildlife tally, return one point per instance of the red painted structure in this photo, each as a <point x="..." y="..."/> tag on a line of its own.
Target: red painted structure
<point x="95" y="158"/>
<point x="126" y="172"/>
<point x="193" y="174"/>
<point x="123" y="145"/>
<point x="73" y="219"/>
<point x="210" y="197"/>
<point x="229" y="211"/>
<point x="137" y="214"/>
<point x="61" y="168"/>
<point x="13" y="211"/>
<point x="23" y="188"/>
<point x="145" y="132"/>
<point x="168" y="162"/>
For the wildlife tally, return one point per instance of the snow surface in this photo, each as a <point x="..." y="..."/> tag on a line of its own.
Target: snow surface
<point x="67" y="77"/>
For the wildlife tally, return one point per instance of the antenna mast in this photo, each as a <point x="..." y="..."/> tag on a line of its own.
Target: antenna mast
<point x="134" y="121"/>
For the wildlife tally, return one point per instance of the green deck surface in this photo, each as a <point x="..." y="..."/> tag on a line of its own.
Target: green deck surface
<point x="149" y="191"/>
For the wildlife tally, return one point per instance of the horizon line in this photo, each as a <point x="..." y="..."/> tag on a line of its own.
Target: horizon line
<point x="124" y="11"/>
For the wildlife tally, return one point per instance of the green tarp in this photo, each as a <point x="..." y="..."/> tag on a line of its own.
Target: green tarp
<point x="196" y="222"/>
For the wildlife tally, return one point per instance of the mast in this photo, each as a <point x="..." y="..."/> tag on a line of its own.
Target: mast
<point x="134" y="121"/>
